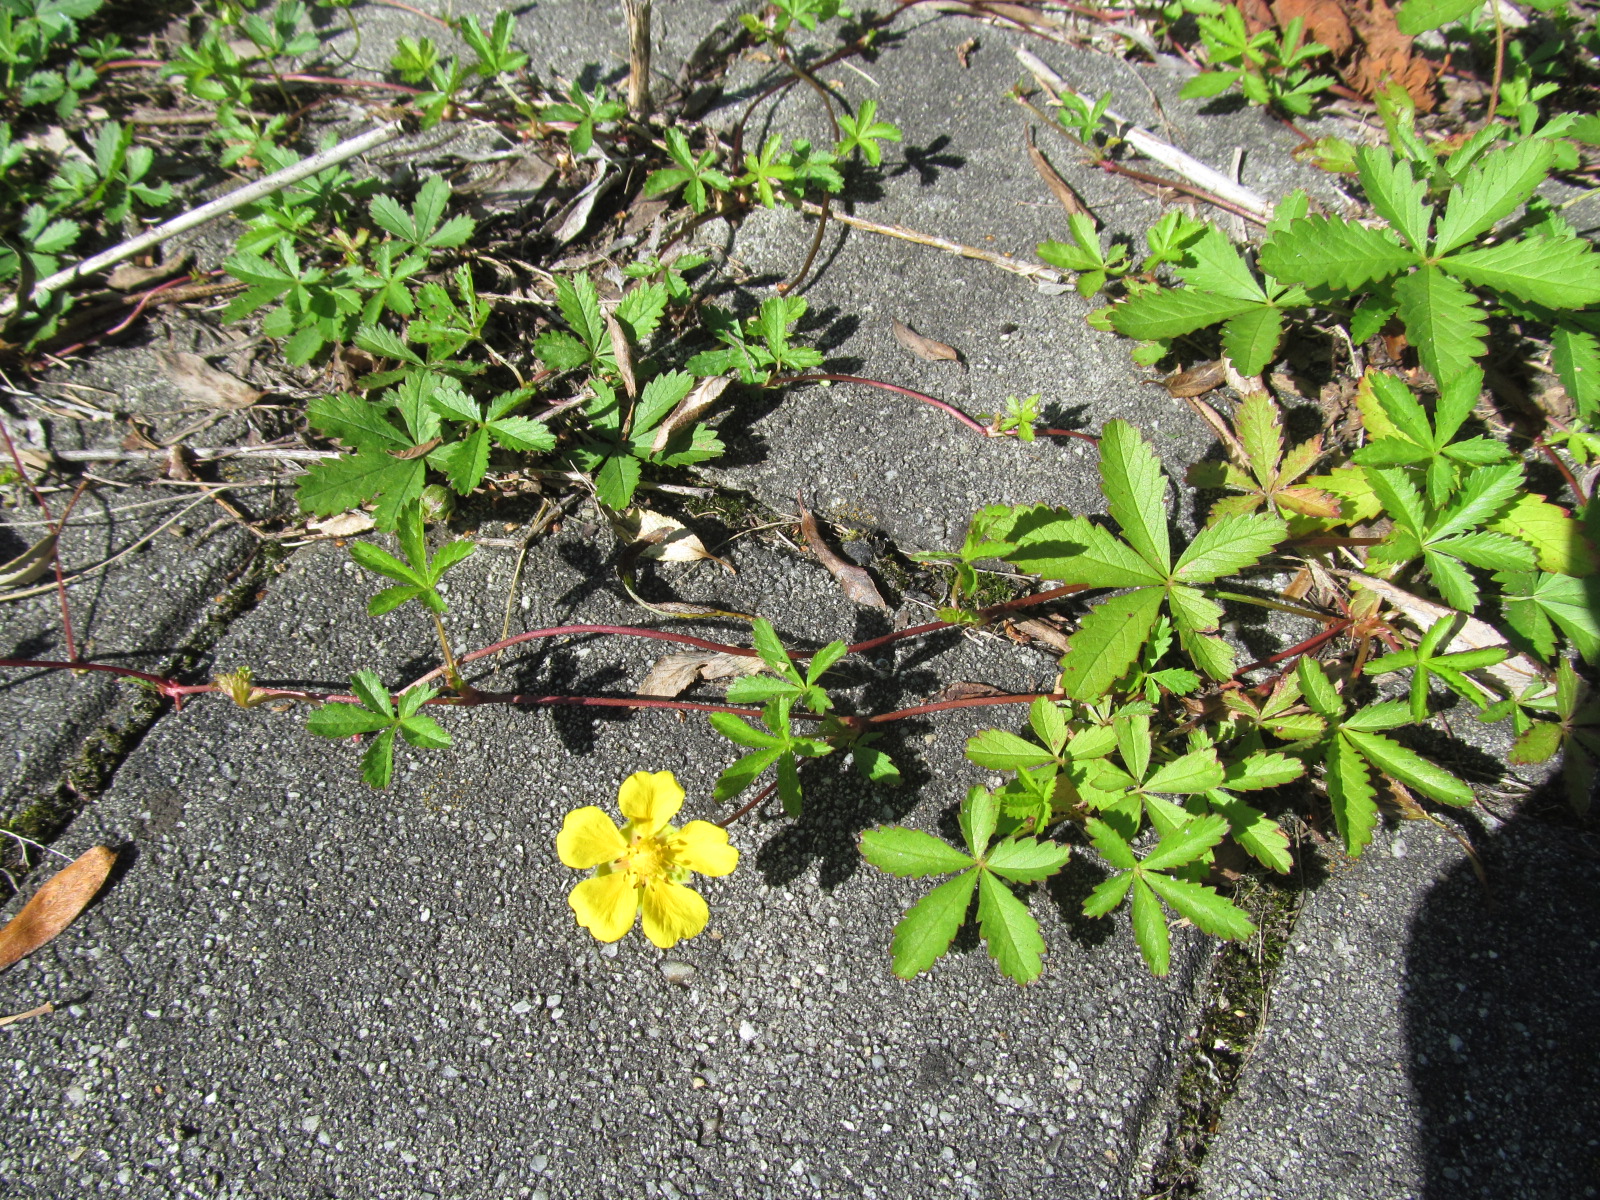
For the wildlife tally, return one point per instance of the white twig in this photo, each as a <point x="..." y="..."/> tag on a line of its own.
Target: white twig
<point x="1152" y="147"/>
<point x="209" y="212"/>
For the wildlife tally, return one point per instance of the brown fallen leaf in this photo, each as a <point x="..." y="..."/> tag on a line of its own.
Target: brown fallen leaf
<point x="204" y="384"/>
<point x="854" y="581"/>
<point x="672" y="674"/>
<point x="652" y="535"/>
<point x="1196" y="381"/>
<point x="345" y="524"/>
<point x="964" y="689"/>
<point x="1059" y="187"/>
<point x="706" y="393"/>
<point x="623" y="350"/>
<point x="923" y="347"/>
<point x="1036" y="630"/>
<point x="412" y="452"/>
<point x="56" y="905"/>
<point x="130" y="276"/>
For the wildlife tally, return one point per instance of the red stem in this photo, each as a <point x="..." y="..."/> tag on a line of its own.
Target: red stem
<point x="786" y="380"/>
<point x="1566" y="472"/>
<point x="1311" y="643"/>
<point x="760" y="796"/>
<point x="55" y="552"/>
<point x="944" y="705"/>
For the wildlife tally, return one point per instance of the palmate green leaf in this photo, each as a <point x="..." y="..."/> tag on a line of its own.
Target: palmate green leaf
<point x="930" y="925"/>
<point x="1335" y="253"/>
<point x="358" y="423"/>
<point x="1492" y="551"/>
<point x="911" y="853"/>
<point x="423" y="732"/>
<point x="1076" y="550"/>
<point x="1500" y="184"/>
<point x="1395" y="194"/>
<point x="1009" y="930"/>
<point x="1410" y="768"/>
<point x="1027" y="860"/>
<point x="1107" y="895"/>
<point x="1531" y="601"/>
<point x="1173" y="312"/>
<point x="1150" y="927"/>
<point x="1555" y="272"/>
<point x="979" y="815"/>
<point x="1107" y="642"/>
<point x="742" y="773"/>
<point x="1484" y="496"/>
<point x="1419" y="16"/>
<point x="1187" y="843"/>
<point x="1197" y="771"/>
<point x="1442" y="320"/>
<point x="1213" y="265"/>
<point x="377" y="764"/>
<point x="1262" y="770"/>
<point x="1205" y="909"/>
<point x="579" y="303"/>
<point x="1575" y="355"/>
<point x="997" y="750"/>
<point x="341" y="720"/>
<point x="1229" y="546"/>
<point x="338" y="484"/>
<point x="1135" y="492"/>
<point x="1251" y="339"/>
<point x="463" y="462"/>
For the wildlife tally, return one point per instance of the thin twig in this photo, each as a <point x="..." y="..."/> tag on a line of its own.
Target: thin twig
<point x="1004" y="262"/>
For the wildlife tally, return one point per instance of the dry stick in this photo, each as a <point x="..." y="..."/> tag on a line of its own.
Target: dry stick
<point x="638" y="15"/>
<point x="248" y="194"/>
<point x="1499" y="58"/>
<point x="1015" y="266"/>
<point x="1257" y="207"/>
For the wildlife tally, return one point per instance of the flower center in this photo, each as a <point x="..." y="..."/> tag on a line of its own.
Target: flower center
<point x="645" y="858"/>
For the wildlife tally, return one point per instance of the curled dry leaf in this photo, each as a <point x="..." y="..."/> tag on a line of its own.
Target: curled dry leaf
<point x="963" y="689"/>
<point x="1059" y="187"/>
<point x="856" y="584"/>
<point x="655" y="536"/>
<point x="130" y="276"/>
<point x="1518" y="673"/>
<point x="672" y="674"/>
<point x="924" y="347"/>
<point x="345" y="524"/>
<point x="204" y="384"/>
<point x="29" y="565"/>
<point x="56" y="905"/>
<point x="622" y="348"/>
<point x="1037" y="630"/>
<point x="1196" y="381"/>
<point x="706" y="393"/>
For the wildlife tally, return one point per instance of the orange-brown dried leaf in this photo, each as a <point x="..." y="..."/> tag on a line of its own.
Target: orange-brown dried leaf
<point x="1326" y="21"/>
<point x="56" y="905"/>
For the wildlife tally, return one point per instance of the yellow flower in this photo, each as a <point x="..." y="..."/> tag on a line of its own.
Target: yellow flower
<point x="645" y="864"/>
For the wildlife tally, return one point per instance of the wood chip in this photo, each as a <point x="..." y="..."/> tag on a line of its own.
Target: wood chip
<point x="673" y="674"/>
<point x="346" y="524"/>
<point x="42" y="1010"/>
<point x="204" y="384"/>
<point x="1059" y="187"/>
<point x="56" y="905"/>
<point x="659" y="537"/>
<point x="854" y="581"/>
<point x="964" y="53"/>
<point x="923" y="347"/>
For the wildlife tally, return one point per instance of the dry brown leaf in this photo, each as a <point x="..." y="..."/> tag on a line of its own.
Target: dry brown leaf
<point x="964" y="52"/>
<point x="204" y="384"/>
<point x="56" y="905"/>
<point x="1040" y="631"/>
<point x="1196" y="381"/>
<point x="854" y="581"/>
<point x="29" y="565"/>
<point x="1325" y="20"/>
<point x="1059" y="187"/>
<point x="130" y="276"/>
<point x="623" y="350"/>
<point x="411" y="452"/>
<point x="963" y="689"/>
<point x="672" y="674"/>
<point x="923" y="347"/>
<point x="1386" y="55"/>
<point x="346" y="524"/>
<point x="180" y="464"/>
<point x="706" y="393"/>
<point x="659" y="537"/>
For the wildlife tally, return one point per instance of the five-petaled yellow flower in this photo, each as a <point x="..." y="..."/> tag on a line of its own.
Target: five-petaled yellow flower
<point x="645" y="864"/>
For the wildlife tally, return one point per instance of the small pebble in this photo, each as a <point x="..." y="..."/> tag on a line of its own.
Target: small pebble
<point x="747" y="1032"/>
<point x="677" y="972"/>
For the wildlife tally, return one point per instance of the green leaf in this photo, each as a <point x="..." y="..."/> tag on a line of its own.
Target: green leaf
<point x="1213" y="265"/>
<point x="1262" y="770"/>
<point x="875" y="766"/>
<point x="1229" y="546"/>
<point x="1205" y="909"/>
<point x="1350" y="794"/>
<point x="1442" y="321"/>
<point x="739" y="731"/>
<point x="1107" y="895"/>
<point x="1334" y="253"/>
<point x="1575" y="354"/>
<point x="1173" y="312"/>
<point x="765" y="640"/>
<point x="1107" y="643"/>
<point x="979" y="815"/>
<point x="1251" y="339"/>
<point x="1419" y="16"/>
<point x="338" y="719"/>
<point x="911" y="853"/>
<point x="1027" y="860"/>
<point x="1187" y="843"/>
<point x="1258" y="834"/>
<point x="338" y="484"/>
<point x="758" y="689"/>
<point x="377" y="764"/>
<point x="1395" y="194"/>
<point x="1001" y="751"/>
<point x="1410" y="768"/>
<point x="1009" y="929"/>
<point x="1135" y="492"/>
<point x="743" y="773"/>
<point x="381" y="562"/>
<point x="931" y="924"/>
<point x="1150" y="927"/>
<point x="1555" y="272"/>
<point x="1075" y="550"/>
<point x="424" y="732"/>
<point x="1111" y="844"/>
<point x="1049" y="723"/>
<point x="1197" y="771"/>
<point x="1496" y="187"/>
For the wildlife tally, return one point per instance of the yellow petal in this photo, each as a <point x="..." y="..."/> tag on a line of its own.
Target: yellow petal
<point x="588" y="838"/>
<point x="672" y="911"/>
<point x="605" y="905"/>
<point x="703" y="847"/>
<point x="649" y="799"/>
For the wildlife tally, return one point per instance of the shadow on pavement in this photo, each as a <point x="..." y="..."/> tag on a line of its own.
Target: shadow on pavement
<point x="1503" y="1016"/>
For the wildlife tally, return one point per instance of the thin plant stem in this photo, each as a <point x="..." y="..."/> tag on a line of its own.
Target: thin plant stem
<point x="752" y="806"/>
<point x="1262" y="602"/>
<point x="1566" y="472"/>
<point x="1311" y="643"/>
<point x="786" y="380"/>
<point x="55" y="550"/>
<point x="452" y="672"/>
<point x="918" y="710"/>
<point x="1499" y="59"/>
